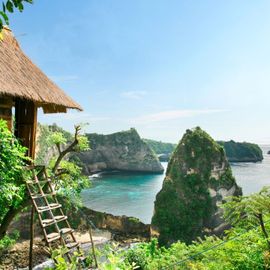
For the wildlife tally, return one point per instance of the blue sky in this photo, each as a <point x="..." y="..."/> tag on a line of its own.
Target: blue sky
<point x="159" y="66"/>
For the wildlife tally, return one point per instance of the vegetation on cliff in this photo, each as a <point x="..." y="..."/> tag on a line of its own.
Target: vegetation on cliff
<point x="245" y="246"/>
<point x="235" y="151"/>
<point x="123" y="150"/>
<point x="160" y="147"/>
<point x="242" y="152"/>
<point x="198" y="178"/>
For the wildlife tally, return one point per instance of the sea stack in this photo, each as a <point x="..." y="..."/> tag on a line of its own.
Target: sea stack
<point x="198" y="179"/>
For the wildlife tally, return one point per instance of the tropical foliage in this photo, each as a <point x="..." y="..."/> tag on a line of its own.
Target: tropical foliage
<point x="244" y="247"/>
<point x="67" y="175"/>
<point x="12" y="161"/>
<point x="10" y="6"/>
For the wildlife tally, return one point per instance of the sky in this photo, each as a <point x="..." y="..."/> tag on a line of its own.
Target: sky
<point x="161" y="66"/>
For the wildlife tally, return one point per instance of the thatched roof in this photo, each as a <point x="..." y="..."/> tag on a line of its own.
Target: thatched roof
<point x="20" y="78"/>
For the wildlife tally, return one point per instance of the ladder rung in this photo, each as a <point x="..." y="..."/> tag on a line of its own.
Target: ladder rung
<point x="60" y="218"/>
<point x="53" y="236"/>
<point x="33" y="182"/>
<point x="38" y="196"/>
<point x="48" y="222"/>
<point x="50" y="207"/>
<point x="72" y="245"/>
<point x="66" y="230"/>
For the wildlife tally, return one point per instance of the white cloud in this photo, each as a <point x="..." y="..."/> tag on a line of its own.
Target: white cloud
<point x="172" y="115"/>
<point x="133" y="94"/>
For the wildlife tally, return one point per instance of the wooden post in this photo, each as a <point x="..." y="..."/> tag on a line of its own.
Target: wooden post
<point x="93" y="247"/>
<point x="26" y="124"/>
<point x="31" y="239"/>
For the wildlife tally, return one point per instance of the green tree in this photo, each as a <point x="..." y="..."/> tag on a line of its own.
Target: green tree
<point x="12" y="161"/>
<point x="10" y="6"/>
<point x="250" y="211"/>
<point x="66" y="174"/>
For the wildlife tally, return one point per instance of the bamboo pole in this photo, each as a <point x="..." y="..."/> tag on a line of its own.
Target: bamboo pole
<point x="93" y="247"/>
<point x="31" y="239"/>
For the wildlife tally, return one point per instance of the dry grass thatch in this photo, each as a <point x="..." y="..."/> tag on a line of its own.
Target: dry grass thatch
<point x="20" y="78"/>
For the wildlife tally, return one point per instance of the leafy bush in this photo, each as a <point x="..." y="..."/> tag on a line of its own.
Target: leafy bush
<point x="8" y="241"/>
<point x="12" y="161"/>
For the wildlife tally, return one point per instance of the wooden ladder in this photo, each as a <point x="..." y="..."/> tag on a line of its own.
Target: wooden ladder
<point x="53" y="221"/>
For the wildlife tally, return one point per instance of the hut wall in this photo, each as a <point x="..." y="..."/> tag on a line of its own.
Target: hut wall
<point x="6" y="110"/>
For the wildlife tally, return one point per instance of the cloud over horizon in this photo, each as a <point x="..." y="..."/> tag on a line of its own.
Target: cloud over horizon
<point x="173" y="114"/>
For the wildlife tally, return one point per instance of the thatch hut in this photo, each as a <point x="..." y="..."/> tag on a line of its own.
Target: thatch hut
<point x="24" y="86"/>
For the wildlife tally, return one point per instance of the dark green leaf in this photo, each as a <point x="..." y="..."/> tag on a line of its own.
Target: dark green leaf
<point x="9" y="6"/>
<point x="5" y="17"/>
<point x="20" y="7"/>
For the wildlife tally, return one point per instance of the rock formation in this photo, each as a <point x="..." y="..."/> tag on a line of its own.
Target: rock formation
<point x="198" y="179"/>
<point x="124" y="151"/>
<point x="242" y="152"/>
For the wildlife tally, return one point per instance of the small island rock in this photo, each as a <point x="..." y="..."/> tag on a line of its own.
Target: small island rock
<point x="197" y="181"/>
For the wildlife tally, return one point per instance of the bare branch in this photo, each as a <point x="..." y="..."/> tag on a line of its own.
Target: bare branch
<point x="70" y="148"/>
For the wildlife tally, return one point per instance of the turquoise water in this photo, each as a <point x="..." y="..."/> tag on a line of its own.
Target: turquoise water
<point x="134" y="194"/>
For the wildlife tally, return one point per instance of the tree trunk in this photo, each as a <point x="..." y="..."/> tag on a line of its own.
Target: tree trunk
<point x="10" y="215"/>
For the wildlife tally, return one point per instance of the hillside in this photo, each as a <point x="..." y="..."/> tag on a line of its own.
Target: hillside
<point x="235" y="151"/>
<point x="160" y="147"/>
<point x="242" y="152"/>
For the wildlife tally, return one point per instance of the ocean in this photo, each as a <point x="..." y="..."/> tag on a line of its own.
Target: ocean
<point x="133" y="194"/>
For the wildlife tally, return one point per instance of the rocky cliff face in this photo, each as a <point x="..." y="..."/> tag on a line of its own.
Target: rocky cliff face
<point x="198" y="179"/>
<point x="119" y="151"/>
<point x="242" y="152"/>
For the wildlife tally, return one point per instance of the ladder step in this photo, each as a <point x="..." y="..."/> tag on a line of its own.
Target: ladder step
<point x="34" y="182"/>
<point x="66" y="230"/>
<point x="50" y="207"/>
<point x="38" y="196"/>
<point x="72" y="245"/>
<point x="53" y="236"/>
<point x="50" y="221"/>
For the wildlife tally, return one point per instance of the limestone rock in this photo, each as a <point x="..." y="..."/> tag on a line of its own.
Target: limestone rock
<point x="124" y="151"/>
<point x="198" y="180"/>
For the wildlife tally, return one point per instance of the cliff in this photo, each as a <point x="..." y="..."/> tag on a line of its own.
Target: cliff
<point x="160" y="147"/>
<point x="235" y="151"/>
<point x="198" y="179"/>
<point x="124" y="151"/>
<point x="242" y="152"/>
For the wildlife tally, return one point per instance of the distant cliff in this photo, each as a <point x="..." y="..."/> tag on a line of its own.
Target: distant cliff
<point x="124" y="151"/>
<point x="162" y="149"/>
<point x="242" y="152"/>
<point x="198" y="179"/>
<point x="235" y="151"/>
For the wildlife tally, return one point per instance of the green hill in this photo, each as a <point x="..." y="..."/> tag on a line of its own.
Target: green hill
<point x="242" y="152"/>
